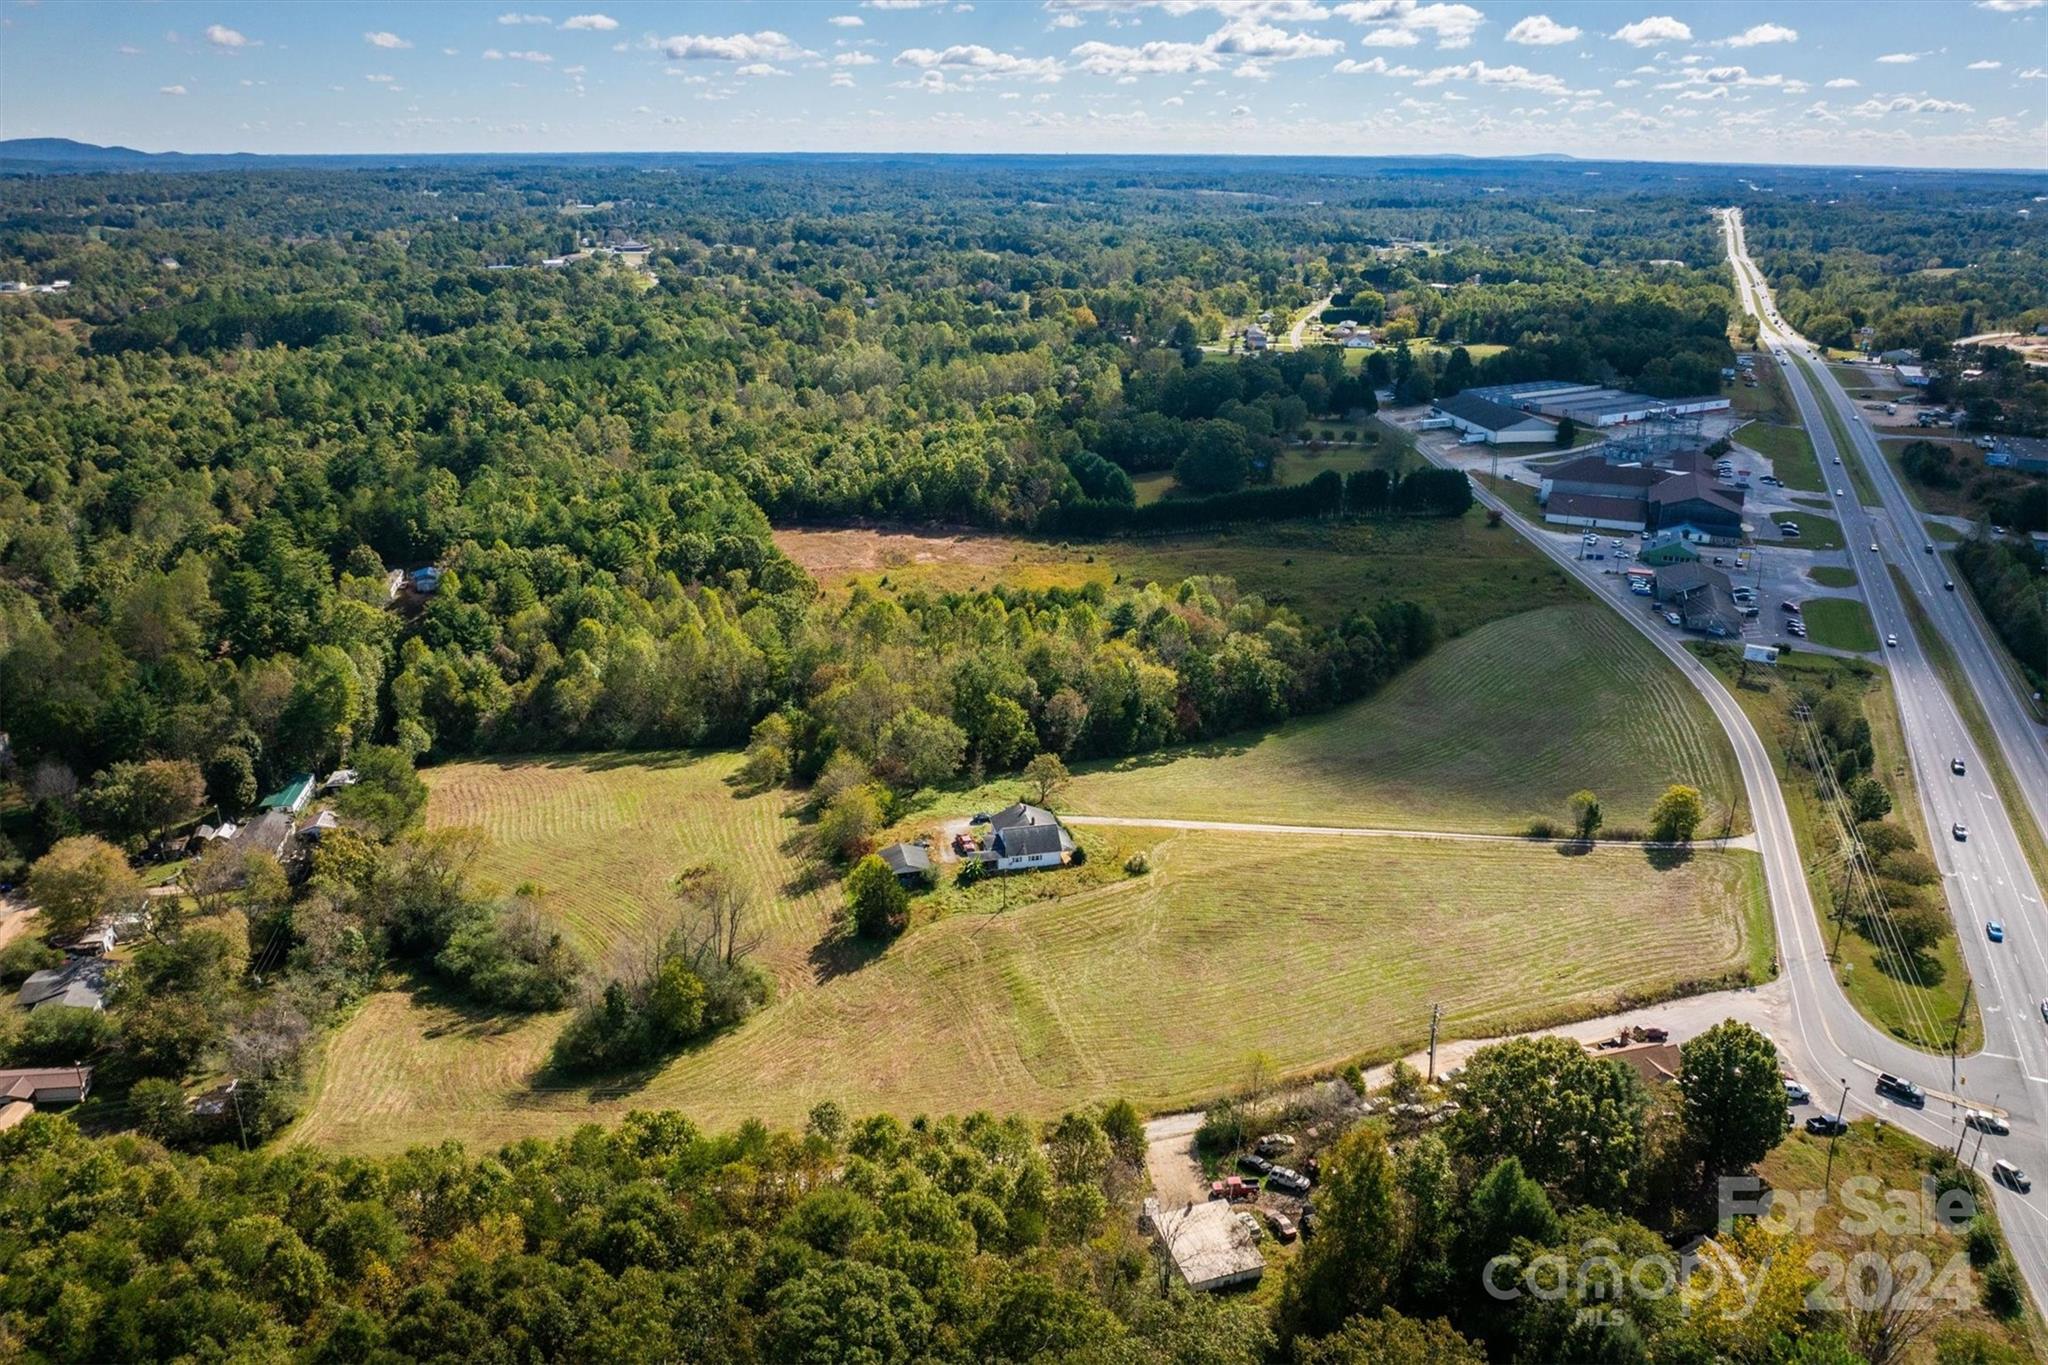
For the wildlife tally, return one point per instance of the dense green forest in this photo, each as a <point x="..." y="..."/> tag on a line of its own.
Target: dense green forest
<point x="265" y="392"/>
<point x="974" y="1239"/>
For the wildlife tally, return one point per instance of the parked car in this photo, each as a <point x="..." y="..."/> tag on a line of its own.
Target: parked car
<point x="1282" y="1225"/>
<point x="1287" y="1180"/>
<point x="1900" y="1089"/>
<point x="1986" y="1122"/>
<point x="1789" y="607"/>
<point x="1826" y="1125"/>
<point x="1995" y="931"/>
<point x="1795" y="1093"/>
<point x="2010" y="1176"/>
<point x="1955" y="765"/>
<point x="1274" y="1142"/>
<point x="980" y="818"/>
<point x="1253" y="1164"/>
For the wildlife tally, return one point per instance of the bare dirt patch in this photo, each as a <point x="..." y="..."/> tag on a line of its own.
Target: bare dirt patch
<point x="835" y="554"/>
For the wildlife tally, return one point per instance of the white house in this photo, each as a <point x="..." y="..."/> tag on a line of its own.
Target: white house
<point x="1027" y="837"/>
<point x="1255" y="338"/>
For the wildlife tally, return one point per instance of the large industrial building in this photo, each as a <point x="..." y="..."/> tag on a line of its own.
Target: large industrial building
<point x="1593" y="405"/>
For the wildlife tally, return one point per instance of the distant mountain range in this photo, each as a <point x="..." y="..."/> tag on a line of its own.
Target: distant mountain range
<point x="70" y="152"/>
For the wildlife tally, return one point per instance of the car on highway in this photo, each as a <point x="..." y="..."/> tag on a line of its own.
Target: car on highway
<point x="2044" y="1011"/>
<point x="2011" y="1176"/>
<point x="1795" y="1093"/>
<point x="1949" y="584"/>
<point x="1900" y="1089"/>
<point x="1985" y="1121"/>
<point x="1873" y="547"/>
<point x="1956" y="766"/>
<point x="1841" y="492"/>
<point x="1826" y="1125"/>
<point x="1995" y="931"/>
<point x="1838" y="459"/>
<point x="1927" y="548"/>
<point x="1891" y="641"/>
<point x="1961" y="831"/>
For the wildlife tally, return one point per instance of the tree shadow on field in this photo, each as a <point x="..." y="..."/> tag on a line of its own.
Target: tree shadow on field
<point x="1667" y="857"/>
<point x="460" y="1016"/>
<point x="840" y="953"/>
<point x="1573" y="848"/>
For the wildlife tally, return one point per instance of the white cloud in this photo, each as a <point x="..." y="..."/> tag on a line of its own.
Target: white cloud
<point x="846" y="21"/>
<point x="1172" y="102"/>
<point x="1508" y="77"/>
<point x="590" y="23"/>
<point x="1758" y="34"/>
<point x="220" y="35"/>
<point x="1878" y="106"/>
<point x="1065" y="21"/>
<point x="1452" y="25"/>
<point x="171" y="90"/>
<point x="1986" y="65"/>
<point x="379" y="80"/>
<point x="765" y="46"/>
<point x="491" y="54"/>
<point x="2009" y="6"/>
<point x="1149" y="59"/>
<point x="977" y="62"/>
<point x="1242" y="111"/>
<point x="1377" y="66"/>
<point x="843" y="79"/>
<point x="524" y="19"/>
<point x="1252" y="39"/>
<point x="385" y="40"/>
<point x="2034" y="73"/>
<point x="854" y="59"/>
<point x="1660" y="28"/>
<point x="759" y="69"/>
<point x="1899" y="58"/>
<point x="1389" y="37"/>
<point x="1843" y="83"/>
<point x="1540" y="30"/>
<point x="1627" y="83"/>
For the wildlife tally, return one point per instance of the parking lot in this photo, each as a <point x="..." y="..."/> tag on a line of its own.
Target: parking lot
<point x="1776" y="566"/>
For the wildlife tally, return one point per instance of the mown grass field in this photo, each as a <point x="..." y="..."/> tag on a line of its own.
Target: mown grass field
<point x="1352" y="446"/>
<point x="1789" y="450"/>
<point x="1314" y="951"/>
<point x="1902" y="1006"/>
<point x="1466" y="571"/>
<point x="1839" y="623"/>
<point x="1832" y="576"/>
<point x="1816" y="532"/>
<point x="602" y="835"/>
<point x="1486" y="732"/>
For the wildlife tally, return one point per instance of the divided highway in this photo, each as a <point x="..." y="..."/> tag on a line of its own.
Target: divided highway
<point x="1825" y="1042"/>
<point x="1974" y="841"/>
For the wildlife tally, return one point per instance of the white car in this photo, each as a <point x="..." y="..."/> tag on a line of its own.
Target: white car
<point x="1838" y="459"/>
<point x="1873" y="547"/>
<point x="1891" y="641"/>
<point x="1841" y="492"/>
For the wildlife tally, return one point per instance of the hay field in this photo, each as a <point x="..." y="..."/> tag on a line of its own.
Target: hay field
<point x="1314" y="950"/>
<point x="1484" y="733"/>
<point x="602" y="834"/>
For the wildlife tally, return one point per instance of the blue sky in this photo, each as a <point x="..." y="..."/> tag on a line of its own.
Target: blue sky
<point x="1937" y="84"/>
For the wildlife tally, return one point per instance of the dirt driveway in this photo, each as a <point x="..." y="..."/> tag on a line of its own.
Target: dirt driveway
<point x="1170" y="1160"/>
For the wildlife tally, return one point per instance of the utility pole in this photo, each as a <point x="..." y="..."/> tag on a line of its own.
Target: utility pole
<point x="1841" y="1120"/>
<point x="1436" y="1015"/>
<point x="1955" y="1035"/>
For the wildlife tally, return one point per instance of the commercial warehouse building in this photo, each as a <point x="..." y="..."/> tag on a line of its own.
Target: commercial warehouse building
<point x="1594" y="405"/>
<point x="1481" y="419"/>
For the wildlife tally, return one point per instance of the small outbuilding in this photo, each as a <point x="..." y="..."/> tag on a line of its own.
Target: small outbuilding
<point x="1209" y="1244"/>
<point x="81" y="983"/>
<point x="910" y="862"/>
<point x="292" y="797"/>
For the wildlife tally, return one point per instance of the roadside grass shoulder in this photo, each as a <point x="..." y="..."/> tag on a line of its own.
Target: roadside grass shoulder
<point x="1789" y="450"/>
<point x="1840" y="623"/>
<point x="1832" y="576"/>
<point x="1888" y="1159"/>
<point x="1816" y="532"/>
<point x="1979" y="725"/>
<point x="1901" y="1006"/>
<point x="1859" y="477"/>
